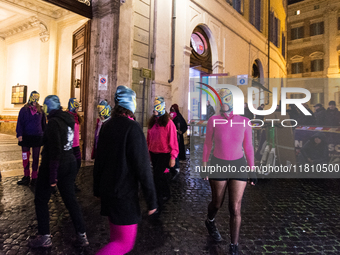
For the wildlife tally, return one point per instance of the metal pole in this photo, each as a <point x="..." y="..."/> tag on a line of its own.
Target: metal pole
<point x="173" y="41"/>
<point x="143" y="103"/>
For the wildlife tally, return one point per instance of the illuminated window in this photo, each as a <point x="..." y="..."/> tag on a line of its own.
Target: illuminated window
<point x="297" y="12"/>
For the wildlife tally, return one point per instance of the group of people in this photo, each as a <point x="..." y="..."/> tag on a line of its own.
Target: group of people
<point x="60" y="160"/>
<point x="323" y="117"/>
<point x="123" y="159"/>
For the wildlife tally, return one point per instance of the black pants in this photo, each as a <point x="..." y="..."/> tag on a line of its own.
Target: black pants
<point x="66" y="175"/>
<point x="77" y="154"/>
<point x="160" y="161"/>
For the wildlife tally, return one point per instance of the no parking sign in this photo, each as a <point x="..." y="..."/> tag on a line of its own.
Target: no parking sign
<point x="102" y="85"/>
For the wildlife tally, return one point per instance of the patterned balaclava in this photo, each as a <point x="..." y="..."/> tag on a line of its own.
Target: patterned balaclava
<point x="159" y="106"/>
<point x="34" y="97"/>
<point x="126" y="98"/>
<point x="104" y="109"/>
<point x="73" y="104"/>
<point x="227" y="98"/>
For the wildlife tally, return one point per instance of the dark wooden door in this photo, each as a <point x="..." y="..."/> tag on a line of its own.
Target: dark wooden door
<point x="80" y="75"/>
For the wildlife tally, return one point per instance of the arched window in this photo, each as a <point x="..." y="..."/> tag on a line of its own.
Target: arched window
<point x="201" y="53"/>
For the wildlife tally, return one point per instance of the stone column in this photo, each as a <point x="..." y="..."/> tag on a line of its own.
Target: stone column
<point x="103" y="60"/>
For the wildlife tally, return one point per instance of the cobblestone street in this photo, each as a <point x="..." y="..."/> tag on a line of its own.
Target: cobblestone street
<point x="287" y="216"/>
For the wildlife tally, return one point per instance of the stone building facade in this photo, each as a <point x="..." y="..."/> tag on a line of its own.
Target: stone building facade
<point x="313" y="48"/>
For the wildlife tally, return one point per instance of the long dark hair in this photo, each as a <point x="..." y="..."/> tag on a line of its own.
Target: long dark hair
<point x="162" y="121"/>
<point x="38" y="106"/>
<point x="119" y="111"/>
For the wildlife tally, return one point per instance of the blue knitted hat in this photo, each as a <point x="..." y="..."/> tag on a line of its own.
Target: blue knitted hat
<point x="73" y="104"/>
<point x="51" y="103"/>
<point x="159" y="106"/>
<point x="104" y="109"/>
<point x="126" y="98"/>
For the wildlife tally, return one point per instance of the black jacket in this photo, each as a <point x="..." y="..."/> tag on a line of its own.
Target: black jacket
<point x="122" y="162"/>
<point x="317" y="152"/>
<point x="58" y="141"/>
<point x="320" y="116"/>
<point x="332" y="117"/>
<point x="210" y="111"/>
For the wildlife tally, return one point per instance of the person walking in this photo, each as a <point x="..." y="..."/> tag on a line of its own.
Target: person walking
<point x="163" y="148"/>
<point x="30" y="129"/>
<point x="231" y="143"/>
<point x="104" y="111"/>
<point x="72" y="108"/>
<point x="182" y="127"/>
<point x="122" y="163"/>
<point x="58" y="168"/>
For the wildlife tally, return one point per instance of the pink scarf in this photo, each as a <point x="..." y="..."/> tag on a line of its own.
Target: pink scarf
<point x="75" y="115"/>
<point x="33" y="109"/>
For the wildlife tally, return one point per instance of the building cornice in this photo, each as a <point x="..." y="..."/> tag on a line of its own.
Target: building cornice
<point x="32" y="22"/>
<point x="37" y="8"/>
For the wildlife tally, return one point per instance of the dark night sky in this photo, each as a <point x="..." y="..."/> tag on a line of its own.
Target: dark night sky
<point x="294" y="1"/>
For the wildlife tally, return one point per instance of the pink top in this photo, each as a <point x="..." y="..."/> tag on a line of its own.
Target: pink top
<point x="76" y="135"/>
<point x="231" y="136"/>
<point x="163" y="139"/>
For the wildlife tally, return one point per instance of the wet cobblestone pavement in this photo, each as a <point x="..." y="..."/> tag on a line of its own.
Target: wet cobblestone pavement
<point x="278" y="217"/>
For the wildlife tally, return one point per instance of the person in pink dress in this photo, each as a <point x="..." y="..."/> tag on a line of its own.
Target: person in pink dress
<point x="163" y="148"/>
<point x="232" y="137"/>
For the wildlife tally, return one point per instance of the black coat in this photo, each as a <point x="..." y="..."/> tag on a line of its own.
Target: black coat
<point x="317" y="152"/>
<point x="210" y="111"/>
<point x="320" y="116"/>
<point x="122" y="162"/>
<point x="332" y="117"/>
<point x="58" y="141"/>
<point x="181" y="125"/>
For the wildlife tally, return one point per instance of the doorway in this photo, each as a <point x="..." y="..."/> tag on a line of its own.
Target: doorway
<point x="80" y="75"/>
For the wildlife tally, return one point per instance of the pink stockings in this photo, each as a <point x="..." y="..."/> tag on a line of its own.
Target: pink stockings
<point x="122" y="240"/>
<point x="26" y="161"/>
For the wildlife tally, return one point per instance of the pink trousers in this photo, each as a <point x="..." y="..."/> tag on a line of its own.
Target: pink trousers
<point x="122" y="240"/>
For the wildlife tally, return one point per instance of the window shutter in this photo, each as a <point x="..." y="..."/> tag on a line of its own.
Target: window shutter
<point x="251" y="12"/>
<point x="258" y="14"/>
<point x="321" y="28"/>
<point x="312" y="29"/>
<point x="301" y="32"/>
<point x="312" y="66"/>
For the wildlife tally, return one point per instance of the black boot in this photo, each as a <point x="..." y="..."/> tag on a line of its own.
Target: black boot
<point x="212" y="230"/>
<point x="33" y="182"/>
<point x="233" y="249"/>
<point x="24" y="181"/>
